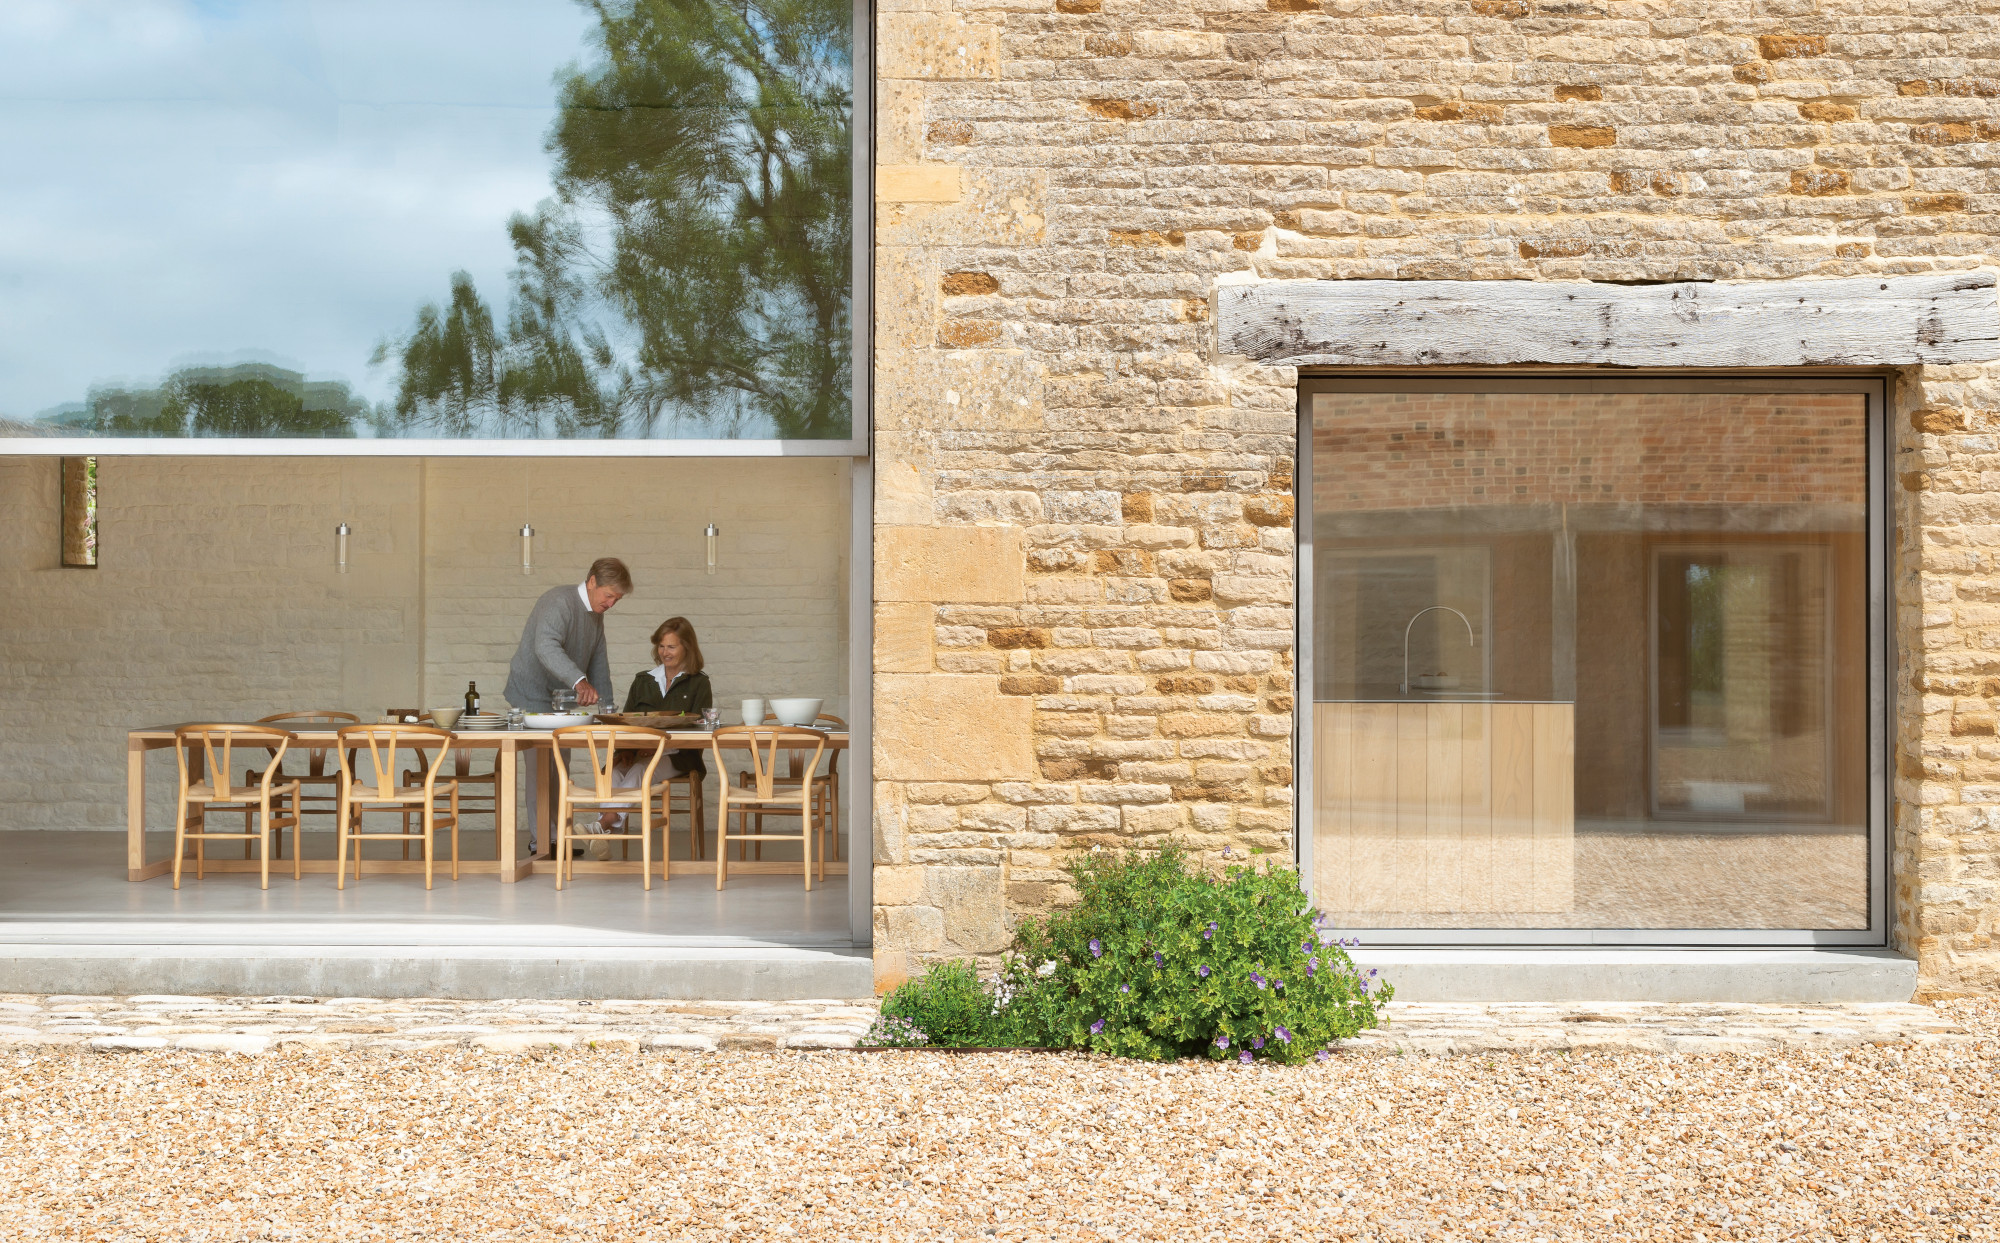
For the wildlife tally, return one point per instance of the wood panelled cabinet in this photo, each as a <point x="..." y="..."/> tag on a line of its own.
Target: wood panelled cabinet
<point x="1444" y="807"/>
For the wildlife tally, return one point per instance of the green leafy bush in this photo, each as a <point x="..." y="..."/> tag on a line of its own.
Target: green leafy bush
<point x="1157" y="959"/>
<point x="947" y="1005"/>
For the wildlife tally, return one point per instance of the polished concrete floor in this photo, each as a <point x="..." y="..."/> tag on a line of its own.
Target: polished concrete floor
<point x="72" y="887"/>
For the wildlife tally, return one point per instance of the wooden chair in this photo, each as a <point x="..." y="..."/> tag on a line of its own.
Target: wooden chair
<point x="315" y="775"/>
<point x="826" y="785"/>
<point x="687" y="787"/>
<point x="380" y="743"/>
<point x="206" y="757"/>
<point x="602" y="743"/>
<point x="766" y="793"/>
<point x="472" y="800"/>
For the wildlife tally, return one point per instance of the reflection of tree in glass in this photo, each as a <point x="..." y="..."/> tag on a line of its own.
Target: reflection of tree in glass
<point x="250" y="399"/>
<point x="694" y="263"/>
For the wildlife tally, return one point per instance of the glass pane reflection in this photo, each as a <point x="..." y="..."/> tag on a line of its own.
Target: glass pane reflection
<point x="1591" y="660"/>
<point x="426" y="218"/>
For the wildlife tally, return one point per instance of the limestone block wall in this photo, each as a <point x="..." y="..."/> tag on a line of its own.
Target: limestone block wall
<point x="217" y="596"/>
<point x="1084" y="550"/>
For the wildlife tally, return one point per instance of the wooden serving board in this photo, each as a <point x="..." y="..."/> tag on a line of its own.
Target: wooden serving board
<point x="651" y="720"/>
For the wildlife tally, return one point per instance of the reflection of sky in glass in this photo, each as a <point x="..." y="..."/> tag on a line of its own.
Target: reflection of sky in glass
<point x="279" y="180"/>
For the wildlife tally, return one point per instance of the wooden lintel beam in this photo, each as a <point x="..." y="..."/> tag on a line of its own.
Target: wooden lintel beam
<point x="1934" y="317"/>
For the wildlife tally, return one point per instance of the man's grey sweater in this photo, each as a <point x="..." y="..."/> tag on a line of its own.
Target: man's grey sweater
<point x="563" y="642"/>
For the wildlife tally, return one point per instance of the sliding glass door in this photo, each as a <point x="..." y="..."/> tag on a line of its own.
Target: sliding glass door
<point x="1592" y="659"/>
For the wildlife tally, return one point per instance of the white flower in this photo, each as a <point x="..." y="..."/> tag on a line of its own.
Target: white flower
<point x="1046" y="969"/>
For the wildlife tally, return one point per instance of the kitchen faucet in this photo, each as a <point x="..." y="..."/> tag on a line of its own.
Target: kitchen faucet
<point x="1470" y="639"/>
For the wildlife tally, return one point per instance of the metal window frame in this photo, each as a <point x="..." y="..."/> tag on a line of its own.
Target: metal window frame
<point x="859" y="446"/>
<point x="1875" y="385"/>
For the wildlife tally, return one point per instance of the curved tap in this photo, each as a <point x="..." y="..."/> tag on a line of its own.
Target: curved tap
<point x="1471" y="640"/>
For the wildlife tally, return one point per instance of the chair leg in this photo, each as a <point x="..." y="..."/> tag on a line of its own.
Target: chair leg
<point x="340" y="843"/>
<point x="645" y="842"/>
<point x="722" y="843"/>
<point x="698" y="817"/>
<point x="180" y="839"/>
<point x="298" y="831"/>
<point x="263" y="840"/>
<point x="454" y="834"/>
<point x="430" y="823"/>
<point x="560" y="831"/>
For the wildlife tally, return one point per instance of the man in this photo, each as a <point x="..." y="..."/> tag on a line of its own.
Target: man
<point x="562" y="648"/>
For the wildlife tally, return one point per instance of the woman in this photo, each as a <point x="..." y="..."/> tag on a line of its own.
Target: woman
<point x="676" y="684"/>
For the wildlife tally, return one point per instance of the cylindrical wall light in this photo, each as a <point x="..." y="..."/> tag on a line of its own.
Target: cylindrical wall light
<point x="527" y="549"/>
<point x="712" y="533"/>
<point x="340" y="534"/>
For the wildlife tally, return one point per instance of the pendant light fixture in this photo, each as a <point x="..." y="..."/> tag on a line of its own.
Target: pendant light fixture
<point x="527" y="532"/>
<point x="340" y="534"/>
<point x="712" y="534"/>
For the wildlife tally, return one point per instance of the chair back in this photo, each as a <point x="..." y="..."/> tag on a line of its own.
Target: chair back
<point x="379" y="745"/>
<point x="315" y="756"/>
<point x="601" y="743"/>
<point x="764" y="742"/>
<point x="218" y="744"/>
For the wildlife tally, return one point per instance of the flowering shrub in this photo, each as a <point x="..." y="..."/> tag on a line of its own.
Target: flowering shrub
<point x="1161" y="960"/>
<point x="947" y="1005"/>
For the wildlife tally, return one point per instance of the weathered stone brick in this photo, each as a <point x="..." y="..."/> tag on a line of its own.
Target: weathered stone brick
<point x="1790" y="46"/>
<point x="1582" y="135"/>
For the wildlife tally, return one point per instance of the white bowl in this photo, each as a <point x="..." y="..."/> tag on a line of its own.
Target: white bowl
<point x="796" y="711"/>
<point x="553" y="720"/>
<point x="446" y="718"/>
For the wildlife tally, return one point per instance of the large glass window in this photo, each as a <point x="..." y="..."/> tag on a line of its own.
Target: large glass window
<point x="426" y="219"/>
<point x="1587" y="656"/>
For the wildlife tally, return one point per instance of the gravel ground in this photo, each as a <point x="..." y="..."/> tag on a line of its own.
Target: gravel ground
<point x="1891" y="1140"/>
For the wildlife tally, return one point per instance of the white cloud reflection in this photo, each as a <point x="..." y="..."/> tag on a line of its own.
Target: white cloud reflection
<point x="283" y="180"/>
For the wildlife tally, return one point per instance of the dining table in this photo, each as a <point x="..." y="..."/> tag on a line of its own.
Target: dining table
<point x="510" y="748"/>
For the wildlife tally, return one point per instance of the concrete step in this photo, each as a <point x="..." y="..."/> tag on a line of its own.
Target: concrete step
<point x="418" y="960"/>
<point x="1771" y="976"/>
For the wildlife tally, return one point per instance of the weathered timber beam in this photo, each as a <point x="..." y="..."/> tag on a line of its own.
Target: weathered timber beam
<point x="1937" y="317"/>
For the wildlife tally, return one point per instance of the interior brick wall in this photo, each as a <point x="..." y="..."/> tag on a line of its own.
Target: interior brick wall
<point x="1062" y="186"/>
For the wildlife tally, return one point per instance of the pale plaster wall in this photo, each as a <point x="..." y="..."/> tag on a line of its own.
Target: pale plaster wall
<point x="1062" y="186"/>
<point x="217" y="597"/>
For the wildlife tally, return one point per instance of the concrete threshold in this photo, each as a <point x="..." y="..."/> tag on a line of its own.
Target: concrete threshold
<point x="1539" y="974"/>
<point x="421" y="961"/>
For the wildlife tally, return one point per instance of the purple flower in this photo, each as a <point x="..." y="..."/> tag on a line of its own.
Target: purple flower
<point x="1282" y="1034"/>
<point x="1124" y="988"/>
<point x="1159" y="960"/>
<point x="1202" y="971"/>
<point x="1096" y="948"/>
<point x="1306" y="947"/>
<point x="1097" y="1027"/>
<point x="1320" y="1056"/>
<point x="1225" y="852"/>
<point x="1256" y="1042"/>
<point x="1208" y="933"/>
<point x="1277" y="983"/>
<point x="1258" y="980"/>
<point x="1244" y="1057"/>
<point x="1222" y="1042"/>
<point x="1312" y="965"/>
<point x="1373" y="972"/>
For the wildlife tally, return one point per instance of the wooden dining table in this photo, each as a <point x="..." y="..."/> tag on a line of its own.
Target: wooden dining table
<point x="509" y="748"/>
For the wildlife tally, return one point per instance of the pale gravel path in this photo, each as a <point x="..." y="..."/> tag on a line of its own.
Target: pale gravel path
<point x="265" y="1024"/>
<point x="1825" y="1140"/>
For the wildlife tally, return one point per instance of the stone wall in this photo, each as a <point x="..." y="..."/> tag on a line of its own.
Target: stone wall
<point x="217" y="597"/>
<point x="1084" y="556"/>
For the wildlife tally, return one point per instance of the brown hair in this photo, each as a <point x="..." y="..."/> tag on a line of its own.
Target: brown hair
<point x="611" y="572"/>
<point x="681" y="629"/>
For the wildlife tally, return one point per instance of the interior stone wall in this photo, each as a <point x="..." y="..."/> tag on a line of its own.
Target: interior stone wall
<point x="1084" y="569"/>
<point x="216" y="595"/>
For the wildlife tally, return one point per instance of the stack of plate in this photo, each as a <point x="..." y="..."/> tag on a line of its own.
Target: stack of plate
<point x="474" y="722"/>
